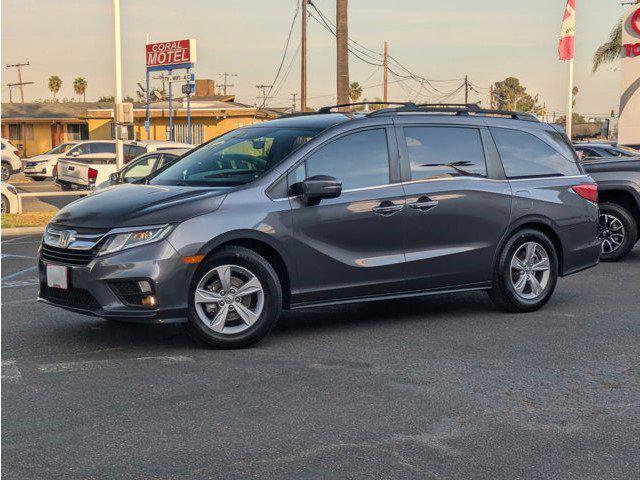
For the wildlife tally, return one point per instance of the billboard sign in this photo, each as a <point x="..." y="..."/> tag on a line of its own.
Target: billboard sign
<point x="176" y="54"/>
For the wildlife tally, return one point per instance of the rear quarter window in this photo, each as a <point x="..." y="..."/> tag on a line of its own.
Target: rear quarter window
<point x="525" y="155"/>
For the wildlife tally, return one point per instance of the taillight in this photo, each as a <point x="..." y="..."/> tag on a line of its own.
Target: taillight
<point x="93" y="175"/>
<point x="588" y="191"/>
<point x="55" y="170"/>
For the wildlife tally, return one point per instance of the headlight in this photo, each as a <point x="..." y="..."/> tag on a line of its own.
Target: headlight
<point x="133" y="238"/>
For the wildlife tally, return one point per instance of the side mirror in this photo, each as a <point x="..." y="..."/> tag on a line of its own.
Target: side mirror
<point x="319" y="187"/>
<point x="114" y="177"/>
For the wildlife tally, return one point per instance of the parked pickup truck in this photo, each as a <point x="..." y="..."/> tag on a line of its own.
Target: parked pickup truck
<point x="92" y="162"/>
<point x="619" y="198"/>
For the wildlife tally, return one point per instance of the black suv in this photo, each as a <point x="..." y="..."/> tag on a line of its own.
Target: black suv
<point x="330" y="208"/>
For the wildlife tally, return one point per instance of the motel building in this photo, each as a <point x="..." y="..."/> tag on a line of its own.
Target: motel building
<point x="35" y="128"/>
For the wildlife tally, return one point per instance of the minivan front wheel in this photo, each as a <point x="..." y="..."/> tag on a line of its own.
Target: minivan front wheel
<point x="526" y="273"/>
<point x="235" y="299"/>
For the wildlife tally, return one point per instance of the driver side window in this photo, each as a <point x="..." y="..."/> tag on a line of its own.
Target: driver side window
<point x="358" y="160"/>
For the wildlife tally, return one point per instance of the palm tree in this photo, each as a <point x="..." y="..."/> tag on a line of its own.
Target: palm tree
<point x="355" y="91"/>
<point x="55" y="84"/>
<point x="80" y="87"/>
<point x="610" y="50"/>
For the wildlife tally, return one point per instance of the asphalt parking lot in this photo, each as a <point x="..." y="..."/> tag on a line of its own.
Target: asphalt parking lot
<point x="439" y="387"/>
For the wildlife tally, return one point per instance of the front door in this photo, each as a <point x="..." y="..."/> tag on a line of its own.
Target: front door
<point x="458" y="207"/>
<point x="56" y="136"/>
<point x="350" y="246"/>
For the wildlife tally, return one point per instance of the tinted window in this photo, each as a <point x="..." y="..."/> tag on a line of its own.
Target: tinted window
<point x="525" y="155"/>
<point x="586" y="152"/>
<point x="359" y="160"/>
<point x="102" y="147"/>
<point x="444" y="152"/>
<point x="618" y="152"/>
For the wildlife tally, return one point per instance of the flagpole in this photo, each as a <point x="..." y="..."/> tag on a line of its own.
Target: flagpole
<point x="569" y="117"/>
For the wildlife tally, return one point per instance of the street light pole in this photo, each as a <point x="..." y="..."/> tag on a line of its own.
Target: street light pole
<point x="118" y="96"/>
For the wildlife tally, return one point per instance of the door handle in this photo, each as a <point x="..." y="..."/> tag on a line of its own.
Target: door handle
<point x="424" y="204"/>
<point x="387" y="208"/>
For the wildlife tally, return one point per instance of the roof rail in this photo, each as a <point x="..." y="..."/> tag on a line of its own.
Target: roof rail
<point x="329" y="108"/>
<point x="456" y="108"/>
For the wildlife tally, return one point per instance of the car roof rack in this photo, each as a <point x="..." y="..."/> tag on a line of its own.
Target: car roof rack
<point x="455" y="108"/>
<point x="330" y="108"/>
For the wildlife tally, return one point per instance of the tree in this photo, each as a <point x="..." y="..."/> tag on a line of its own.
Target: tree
<point x="577" y="119"/>
<point x="80" y="87"/>
<point x="509" y="94"/>
<point x="55" y="84"/>
<point x="355" y="91"/>
<point x="574" y="92"/>
<point x="106" y="99"/>
<point x="610" y="50"/>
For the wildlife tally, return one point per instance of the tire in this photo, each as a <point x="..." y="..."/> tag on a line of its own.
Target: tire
<point x="264" y="305"/>
<point x="618" y="232"/>
<point x="64" y="187"/>
<point x="39" y="179"/>
<point x="512" y="269"/>
<point x="6" y="206"/>
<point x="6" y="171"/>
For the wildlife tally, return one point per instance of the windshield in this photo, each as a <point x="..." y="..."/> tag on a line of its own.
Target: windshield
<point x="61" y="148"/>
<point x="235" y="158"/>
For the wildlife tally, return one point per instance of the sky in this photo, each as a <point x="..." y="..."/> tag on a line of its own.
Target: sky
<point x="440" y="40"/>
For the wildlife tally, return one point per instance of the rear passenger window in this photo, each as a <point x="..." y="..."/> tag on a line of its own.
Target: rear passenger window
<point x="443" y="152"/>
<point x="102" y="147"/>
<point x="358" y="159"/>
<point x="525" y="155"/>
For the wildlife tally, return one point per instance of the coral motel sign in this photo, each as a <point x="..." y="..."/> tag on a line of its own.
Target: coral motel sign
<point x="633" y="49"/>
<point x="167" y="54"/>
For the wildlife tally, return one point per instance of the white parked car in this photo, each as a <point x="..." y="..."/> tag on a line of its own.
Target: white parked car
<point x="9" y="198"/>
<point x="92" y="162"/>
<point x="10" y="160"/>
<point x="143" y="166"/>
<point x="41" y="166"/>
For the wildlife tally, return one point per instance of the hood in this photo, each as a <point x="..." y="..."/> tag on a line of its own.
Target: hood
<point x="130" y="205"/>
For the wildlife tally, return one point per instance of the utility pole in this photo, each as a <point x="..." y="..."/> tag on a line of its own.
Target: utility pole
<point x="225" y="84"/>
<point x="118" y="97"/>
<point x="385" y="74"/>
<point x="342" y="80"/>
<point x="303" y="58"/>
<point x="491" y="96"/>
<point x="293" y="96"/>
<point x="466" y="89"/>
<point x="20" y="83"/>
<point x="263" y="94"/>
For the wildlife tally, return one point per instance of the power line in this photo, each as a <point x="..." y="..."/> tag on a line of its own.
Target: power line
<point x="284" y="53"/>
<point x="20" y="83"/>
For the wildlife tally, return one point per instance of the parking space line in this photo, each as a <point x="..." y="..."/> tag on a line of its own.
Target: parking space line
<point x="12" y="240"/>
<point x="69" y="367"/>
<point x="18" y="273"/>
<point x="30" y="282"/>
<point x="11" y="255"/>
<point x="10" y="370"/>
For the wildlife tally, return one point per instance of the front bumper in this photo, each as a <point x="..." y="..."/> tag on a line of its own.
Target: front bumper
<point x="91" y="287"/>
<point x="37" y="170"/>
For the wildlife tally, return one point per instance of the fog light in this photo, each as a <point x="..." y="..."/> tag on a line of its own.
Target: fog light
<point x="148" y="301"/>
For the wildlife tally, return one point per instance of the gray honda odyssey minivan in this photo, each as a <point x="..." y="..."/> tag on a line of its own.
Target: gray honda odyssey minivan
<point x="330" y="208"/>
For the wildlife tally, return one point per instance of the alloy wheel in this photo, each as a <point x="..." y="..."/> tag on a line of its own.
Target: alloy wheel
<point x="611" y="232"/>
<point x="530" y="270"/>
<point x="5" y="173"/>
<point x="229" y="299"/>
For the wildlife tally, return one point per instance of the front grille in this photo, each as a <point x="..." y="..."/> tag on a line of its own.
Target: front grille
<point x="68" y="256"/>
<point x="73" y="297"/>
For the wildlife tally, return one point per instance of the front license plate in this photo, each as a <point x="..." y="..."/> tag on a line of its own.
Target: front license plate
<point x="57" y="277"/>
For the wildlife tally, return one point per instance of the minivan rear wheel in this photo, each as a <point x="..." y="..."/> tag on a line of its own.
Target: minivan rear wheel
<point x="526" y="273"/>
<point x="235" y="299"/>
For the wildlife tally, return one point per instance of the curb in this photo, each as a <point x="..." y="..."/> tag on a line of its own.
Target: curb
<point x="22" y="231"/>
